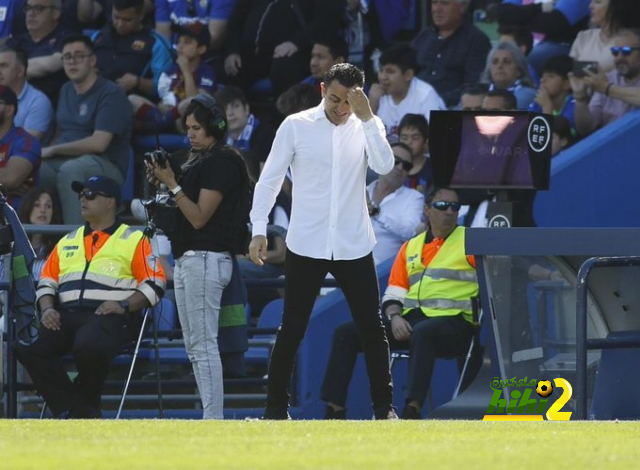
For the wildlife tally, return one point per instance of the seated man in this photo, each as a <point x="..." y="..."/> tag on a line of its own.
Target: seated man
<point x="399" y="91"/>
<point x="615" y="93"/>
<point x="326" y="53"/>
<point x="245" y="131"/>
<point x="427" y="304"/>
<point x="94" y="277"/>
<point x="413" y="131"/>
<point x="43" y="44"/>
<point x="395" y="210"/>
<point x="19" y="151"/>
<point x="471" y="97"/>
<point x="94" y="128"/>
<point x="130" y="53"/>
<point x="35" y="113"/>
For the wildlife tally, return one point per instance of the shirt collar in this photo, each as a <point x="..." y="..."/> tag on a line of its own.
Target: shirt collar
<point x="109" y="230"/>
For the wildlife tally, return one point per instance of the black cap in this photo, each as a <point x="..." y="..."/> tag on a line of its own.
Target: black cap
<point x="101" y="184"/>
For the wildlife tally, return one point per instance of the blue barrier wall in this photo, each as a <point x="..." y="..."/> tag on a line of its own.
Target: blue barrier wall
<point x="595" y="182"/>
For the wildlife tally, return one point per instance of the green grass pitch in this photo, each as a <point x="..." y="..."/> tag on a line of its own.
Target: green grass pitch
<point x="178" y="444"/>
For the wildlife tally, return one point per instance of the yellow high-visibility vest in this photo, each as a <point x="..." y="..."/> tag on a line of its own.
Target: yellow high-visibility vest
<point x="109" y="275"/>
<point x="445" y="287"/>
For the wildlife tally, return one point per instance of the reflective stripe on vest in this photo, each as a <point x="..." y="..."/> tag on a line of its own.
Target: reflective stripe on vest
<point x="446" y="286"/>
<point x="108" y="276"/>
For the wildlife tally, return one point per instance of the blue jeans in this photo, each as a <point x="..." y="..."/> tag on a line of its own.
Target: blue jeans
<point x="199" y="279"/>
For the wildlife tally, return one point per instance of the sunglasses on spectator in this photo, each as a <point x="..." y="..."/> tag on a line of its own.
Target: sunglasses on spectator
<point x="90" y="194"/>
<point x="624" y="50"/>
<point x="444" y="205"/>
<point x="406" y="166"/>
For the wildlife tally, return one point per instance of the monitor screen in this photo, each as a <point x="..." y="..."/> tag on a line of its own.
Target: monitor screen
<point x="490" y="150"/>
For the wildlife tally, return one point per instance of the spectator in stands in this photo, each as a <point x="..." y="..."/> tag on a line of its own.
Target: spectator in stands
<point x="507" y="70"/>
<point x="413" y="131"/>
<point x="395" y="210"/>
<point x="189" y="76"/>
<point x="614" y="93"/>
<point x="325" y="54"/>
<point x="38" y="207"/>
<point x="472" y="96"/>
<point x="521" y="37"/>
<point x="554" y="95"/>
<point x="43" y="45"/>
<point x="129" y="53"/>
<point x="287" y="32"/>
<point x="608" y="17"/>
<point x="453" y="52"/>
<point x="399" y="91"/>
<point x="563" y="135"/>
<point x="558" y="22"/>
<point x="246" y="132"/>
<point x="86" y="293"/>
<point x="329" y="230"/>
<point x="298" y="98"/>
<point x="19" y="151"/>
<point x="212" y="197"/>
<point x="212" y="13"/>
<point x="499" y="100"/>
<point x="430" y="267"/>
<point x="35" y="114"/>
<point x="94" y="128"/>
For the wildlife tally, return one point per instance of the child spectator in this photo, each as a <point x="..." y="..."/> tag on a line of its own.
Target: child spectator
<point x="554" y="94"/>
<point x="190" y="76"/>
<point x="399" y="91"/>
<point x="414" y="132"/>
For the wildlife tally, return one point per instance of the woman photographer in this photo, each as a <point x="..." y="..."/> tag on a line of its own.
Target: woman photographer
<point x="211" y="194"/>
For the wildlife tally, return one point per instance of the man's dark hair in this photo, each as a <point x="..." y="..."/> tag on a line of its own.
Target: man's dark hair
<point x="560" y="65"/>
<point x="137" y="5"/>
<point x="431" y="193"/>
<point x="402" y="55"/>
<point x="521" y="35"/>
<point x="298" y="98"/>
<point x="78" y="37"/>
<point x="348" y="75"/>
<point x="622" y="14"/>
<point x="562" y="127"/>
<point x="417" y="121"/>
<point x="21" y="55"/>
<point x="475" y="90"/>
<point x="337" y="46"/>
<point x="229" y="94"/>
<point x="508" y="99"/>
<point x="401" y="145"/>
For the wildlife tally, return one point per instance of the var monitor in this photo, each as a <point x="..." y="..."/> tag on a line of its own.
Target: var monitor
<point x="490" y="149"/>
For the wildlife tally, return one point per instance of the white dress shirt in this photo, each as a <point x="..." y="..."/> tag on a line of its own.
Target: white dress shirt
<point x="401" y="212"/>
<point x="329" y="216"/>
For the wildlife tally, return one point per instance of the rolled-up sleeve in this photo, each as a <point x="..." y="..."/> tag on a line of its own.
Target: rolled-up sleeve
<point x="379" y="153"/>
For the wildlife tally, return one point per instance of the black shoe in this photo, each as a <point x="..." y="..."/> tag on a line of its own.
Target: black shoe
<point x="276" y="413"/>
<point x="411" y="412"/>
<point x="332" y="413"/>
<point x="389" y="413"/>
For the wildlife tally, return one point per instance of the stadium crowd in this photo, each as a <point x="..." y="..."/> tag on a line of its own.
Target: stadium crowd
<point x="83" y="81"/>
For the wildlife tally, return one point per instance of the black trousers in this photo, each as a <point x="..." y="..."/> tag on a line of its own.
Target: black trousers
<point x="94" y="340"/>
<point x="432" y="337"/>
<point x="359" y="282"/>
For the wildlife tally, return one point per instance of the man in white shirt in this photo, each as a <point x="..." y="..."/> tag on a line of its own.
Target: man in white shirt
<point x="399" y="92"/>
<point x="330" y="230"/>
<point x="395" y="210"/>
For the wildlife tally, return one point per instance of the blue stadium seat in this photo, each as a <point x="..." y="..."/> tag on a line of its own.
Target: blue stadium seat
<point x="270" y="317"/>
<point x="169" y="142"/>
<point x="615" y="394"/>
<point x="261" y="87"/>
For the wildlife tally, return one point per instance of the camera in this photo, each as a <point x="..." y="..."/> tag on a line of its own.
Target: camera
<point x="160" y="155"/>
<point x="580" y="68"/>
